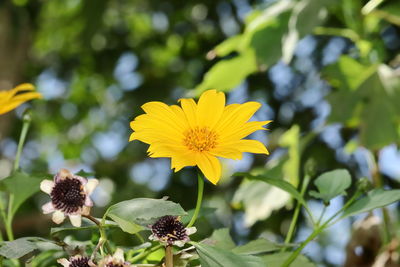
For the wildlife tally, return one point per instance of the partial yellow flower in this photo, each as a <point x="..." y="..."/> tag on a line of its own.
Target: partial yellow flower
<point x="196" y="134"/>
<point x="11" y="99"/>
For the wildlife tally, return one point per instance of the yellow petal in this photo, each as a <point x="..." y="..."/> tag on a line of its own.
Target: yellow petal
<point x="227" y="152"/>
<point x="233" y="134"/>
<point x="190" y="109"/>
<point x="235" y="115"/>
<point x="252" y="146"/>
<point x="163" y="112"/>
<point x="209" y="166"/>
<point x="17" y="101"/>
<point x="210" y="107"/>
<point x="183" y="160"/>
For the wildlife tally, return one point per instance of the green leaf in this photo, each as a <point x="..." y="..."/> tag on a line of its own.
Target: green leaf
<point x="20" y="247"/>
<point x="277" y="259"/>
<point x="285" y="186"/>
<point x="86" y="225"/>
<point x="229" y="73"/>
<point x="222" y="239"/>
<point x="21" y="186"/>
<point x="257" y="246"/>
<point x="130" y="215"/>
<point x="331" y="184"/>
<point x="375" y="199"/>
<point x="218" y="257"/>
<point x="228" y="46"/>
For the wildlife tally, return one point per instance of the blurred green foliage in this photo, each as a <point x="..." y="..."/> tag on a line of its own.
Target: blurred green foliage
<point x="98" y="61"/>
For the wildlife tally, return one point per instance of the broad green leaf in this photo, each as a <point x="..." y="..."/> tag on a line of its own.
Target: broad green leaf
<point x="86" y="225"/>
<point x="229" y="73"/>
<point x="256" y="247"/>
<point x="130" y="215"/>
<point x="331" y="184"/>
<point x="374" y="199"/>
<point x="347" y="73"/>
<point x="20" y="247"/>
<point x="277" y="259"/>
<point x="222" y="239"/>
<point x="218" y="257"/>
<point x="228" y="46"/>
<point x="21" y="186"/>
<point x="285" y="186"/>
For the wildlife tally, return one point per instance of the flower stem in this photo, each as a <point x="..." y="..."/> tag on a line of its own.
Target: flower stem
<point x="296" y="212"/>
<point x="169" y="259"/>
<point x="103" y="237"/>
<point x="26" y="123"/>
<point x="9" y="219"/>
<point x="319" y="229"/>
<point x="200" y="190"/>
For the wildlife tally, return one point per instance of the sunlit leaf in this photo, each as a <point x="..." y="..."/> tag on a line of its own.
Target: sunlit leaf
<point x="256" y="247"/>
<point x="277" y="259"/>
<point x="132" y="214"/>
<point x="21" y="186"/>
<point x="375" y="199"/>
<point x="218" y="257"/>
<point x="331" y="184"/>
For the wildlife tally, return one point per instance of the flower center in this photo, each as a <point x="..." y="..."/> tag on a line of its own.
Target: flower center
<point x="200" y="139"/>
<point x="169" y="229"/>
<point x="68" y="195"/>
<point x="79" y="262"/>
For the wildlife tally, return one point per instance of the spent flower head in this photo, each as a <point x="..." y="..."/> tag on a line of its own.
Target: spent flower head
<point x="169" y="230"/>
<point x="116" y="260"/>
<point x="69" y="196"/>
<point x="196" y="134"/>
<point x="11" y="99"/>
<point x="76" y="261"/>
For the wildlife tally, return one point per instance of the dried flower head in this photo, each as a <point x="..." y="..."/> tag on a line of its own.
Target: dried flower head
<point x="196" y="134"/>
<point x="116" y="260"/>
<point x="11" y="99"/>
<point x="69" y="196"/>
<point x="169" y="230"/>
<point x="75" y="261"/>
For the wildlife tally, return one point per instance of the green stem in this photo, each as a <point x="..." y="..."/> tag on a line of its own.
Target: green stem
<point x="200" y="190"/>
<point x="24" y="131"/>
<point x="319" y="229"/>
<point x="169" y="257"/>
<point x="296" y="212"/>
<point x="145" y="253"/>
<point x="103" y="237"/>
<point x="322" y="214"/>
<point x="9" y="220"/>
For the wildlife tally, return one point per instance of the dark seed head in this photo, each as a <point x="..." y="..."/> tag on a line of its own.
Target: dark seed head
<point x="79" y="262"/>
<point x="114" y="265"/>
<point x="68" y="195"/>
<point x="169" y="229"/>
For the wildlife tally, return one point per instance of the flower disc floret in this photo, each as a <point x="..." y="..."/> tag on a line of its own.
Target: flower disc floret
<point x="75" y="261"/>
<point x="169" y="230"/>
<point x="68" y="195"/>
<point x="197" y="134"/>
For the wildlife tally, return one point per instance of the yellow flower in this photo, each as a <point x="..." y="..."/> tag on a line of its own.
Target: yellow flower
<point x="196" y="134"/>
<point x="11" y="99"/>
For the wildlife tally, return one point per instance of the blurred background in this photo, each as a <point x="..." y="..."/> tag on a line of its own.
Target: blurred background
<point x="326" y="72"/>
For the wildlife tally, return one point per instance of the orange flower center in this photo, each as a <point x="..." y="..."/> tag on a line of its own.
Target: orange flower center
<point x="200" y="139"/>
